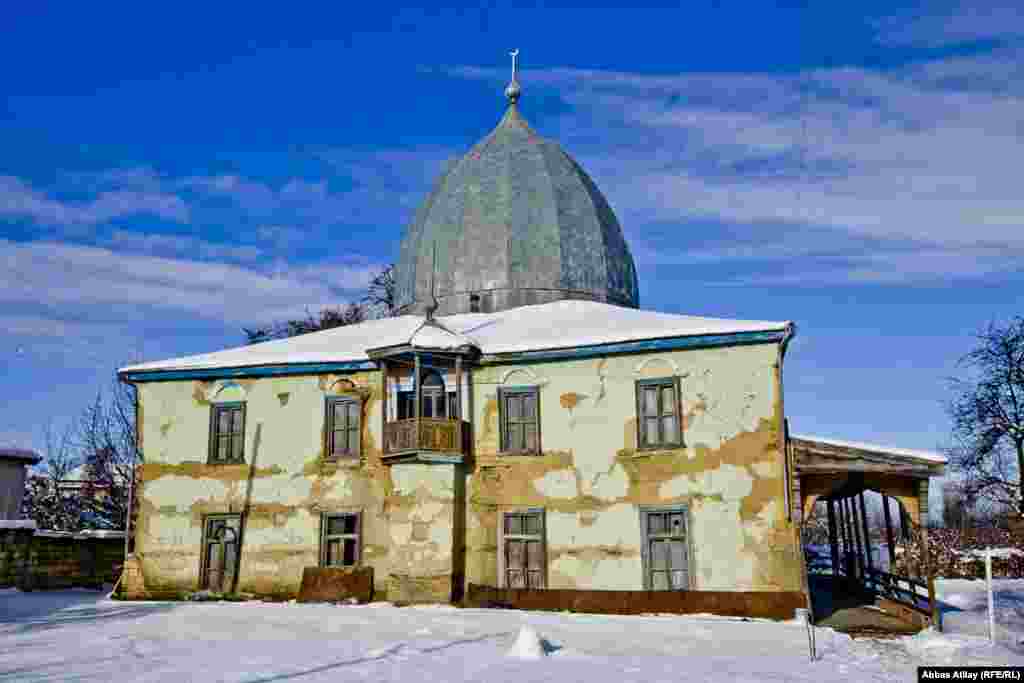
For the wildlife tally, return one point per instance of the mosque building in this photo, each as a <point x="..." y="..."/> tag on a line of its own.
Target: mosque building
<point x="520" y="423"/>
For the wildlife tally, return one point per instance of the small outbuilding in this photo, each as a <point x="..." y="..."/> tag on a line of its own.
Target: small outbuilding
<point x="13" y="465"/>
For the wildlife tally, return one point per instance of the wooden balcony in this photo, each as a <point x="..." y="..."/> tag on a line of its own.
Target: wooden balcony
<point x="435" y="437"/>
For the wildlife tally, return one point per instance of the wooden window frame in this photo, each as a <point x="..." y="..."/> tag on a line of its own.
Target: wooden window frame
<point x="641" y="416"/>
<point x="503" y="394"/>
<point x="203" y="560"/>
<point x="211" y="454"/>
<point x="325" y="517"/>
<point x="329" y="452"/>
<point x="405" y="405"/>
<point x="502" y="537"/>
<point x="645" y="559"/>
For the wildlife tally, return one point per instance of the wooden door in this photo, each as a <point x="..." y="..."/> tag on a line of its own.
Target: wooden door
<point x="220" y="553"/>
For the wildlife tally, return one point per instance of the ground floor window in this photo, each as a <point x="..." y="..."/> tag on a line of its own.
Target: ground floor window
<point x="340" y="539"/>
<point x="219" y="561"/>
<point x="523" y="549"/>
<point x="665" y="549"/>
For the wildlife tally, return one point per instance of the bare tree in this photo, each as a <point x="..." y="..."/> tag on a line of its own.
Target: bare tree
<point x="106" y="436"/>
<point x="45" y="502"/>
<point x="380" y="295"/>
<point x="326" y="319"/>
<point x="379" y="301"/>
<point x="956" y="512"/>
<point x="988" y="416"/>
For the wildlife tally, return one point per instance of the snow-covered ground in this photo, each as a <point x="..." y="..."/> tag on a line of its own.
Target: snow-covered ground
<point x="82" y="636"/>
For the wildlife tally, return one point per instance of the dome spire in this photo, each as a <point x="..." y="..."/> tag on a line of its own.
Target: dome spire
<point x="513" y="90"/>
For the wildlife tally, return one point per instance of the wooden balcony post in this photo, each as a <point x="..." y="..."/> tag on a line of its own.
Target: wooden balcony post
<point x="383" y="396"/>
<point x="458" y="388"/>
<point x="458" y="403"/>
<point x="418" y="409"/>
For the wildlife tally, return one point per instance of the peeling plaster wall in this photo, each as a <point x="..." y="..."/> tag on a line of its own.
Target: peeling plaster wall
<point x="284" y="487"/>
<point x="592" y="481"/>
<point x="427" y="529"/>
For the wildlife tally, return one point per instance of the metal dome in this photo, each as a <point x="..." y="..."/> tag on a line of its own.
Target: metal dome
<point x="516" y="221"/>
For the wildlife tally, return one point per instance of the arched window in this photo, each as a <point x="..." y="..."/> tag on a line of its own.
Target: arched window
<point x="436" y="402"/>
<point x="433" y="396"/>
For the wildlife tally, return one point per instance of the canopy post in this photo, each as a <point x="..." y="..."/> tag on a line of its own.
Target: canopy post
<point x="832" y="537"/>
<point x="867" y="533"/>
<point x="888" y="533"/>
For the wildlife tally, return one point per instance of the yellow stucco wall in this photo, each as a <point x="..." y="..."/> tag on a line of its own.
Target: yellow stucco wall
<point x="284" y="487"/>
<point x="590" y="479"/>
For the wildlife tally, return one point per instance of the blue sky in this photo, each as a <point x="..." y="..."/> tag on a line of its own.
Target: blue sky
<point x="168" y="177"/>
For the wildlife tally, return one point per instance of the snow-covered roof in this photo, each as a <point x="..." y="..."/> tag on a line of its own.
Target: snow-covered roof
<point x="927" y="456"/>
<point x="557" y="325"/>
<point x="20" y="455"/>
<point x="17" y="524"/>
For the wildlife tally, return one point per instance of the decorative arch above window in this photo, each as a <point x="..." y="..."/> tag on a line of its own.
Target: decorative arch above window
<point x="653" y="367"/>
<point x="343" y="386"/>
<point x="227" y="392"/>
<point x="343" y="418"/>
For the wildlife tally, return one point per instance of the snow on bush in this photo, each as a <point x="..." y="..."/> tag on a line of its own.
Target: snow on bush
<point x="959" y="554"/>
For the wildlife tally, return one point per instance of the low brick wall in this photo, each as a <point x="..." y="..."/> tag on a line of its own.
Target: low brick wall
<point x="760" y="604"/>
<point x="32" y="559"/>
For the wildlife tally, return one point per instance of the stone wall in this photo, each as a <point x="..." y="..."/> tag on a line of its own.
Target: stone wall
<point x="31" y="559"/>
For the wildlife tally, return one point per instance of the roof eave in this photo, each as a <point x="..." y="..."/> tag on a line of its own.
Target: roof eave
<point x="676" y="343"/>
<point x="263" y="370"/>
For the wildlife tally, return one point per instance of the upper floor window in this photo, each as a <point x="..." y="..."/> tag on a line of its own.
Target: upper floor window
<point x="657" y="407"/>
<point x="227" y="433"/>
<point x="435" y="401"/>
<point x="343" y="426"/>
<point x="520" y="419"/>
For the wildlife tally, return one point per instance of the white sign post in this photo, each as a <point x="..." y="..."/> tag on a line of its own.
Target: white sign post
<point x="991" y="607"/>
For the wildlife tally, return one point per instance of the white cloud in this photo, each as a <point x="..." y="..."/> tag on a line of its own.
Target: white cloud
<point x="19" y="200"/>
<point x="90" y="280"/>
<point x="158" y="244"/>
<point x="927" y="154"/>
<point x="959" y="23"/>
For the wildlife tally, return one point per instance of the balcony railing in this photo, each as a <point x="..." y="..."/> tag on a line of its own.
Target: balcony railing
<point x="434" y="435"/>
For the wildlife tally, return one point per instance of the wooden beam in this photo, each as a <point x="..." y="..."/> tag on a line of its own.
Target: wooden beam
<point x="845" y="538"/>
<point x="417" y="409"/>
<point x="383" y="405"/>
<point x="927" y="559"/>
<point x="867" y="532"/>
<point x="856" y="536"/>
<point x="809" y="453"/>
<point x="888" y="533"/>
<point x="833" y="540"/>
<point x="845" y="525"/>
<point x="458" y="388"/>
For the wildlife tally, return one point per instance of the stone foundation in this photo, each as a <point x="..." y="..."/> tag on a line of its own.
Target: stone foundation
<point x="758" y="604"/>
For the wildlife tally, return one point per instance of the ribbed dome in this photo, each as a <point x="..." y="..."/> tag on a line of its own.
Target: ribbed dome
<point x="514" y="222"/>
